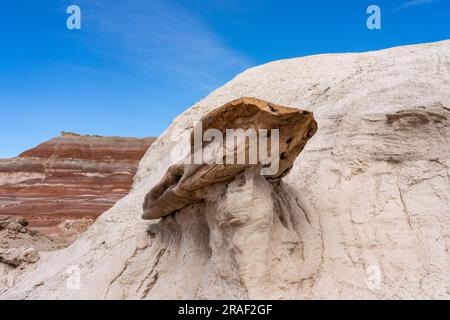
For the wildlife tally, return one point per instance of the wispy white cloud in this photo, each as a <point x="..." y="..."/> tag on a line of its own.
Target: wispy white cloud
<point x="414" y="3"/>
<point x="162" y="39"/>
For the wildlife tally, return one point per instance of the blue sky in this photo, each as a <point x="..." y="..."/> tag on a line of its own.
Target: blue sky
<point x="135" y="65"/>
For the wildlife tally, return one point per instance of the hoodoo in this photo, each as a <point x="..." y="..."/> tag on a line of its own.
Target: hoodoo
<point x="185" y="183"/>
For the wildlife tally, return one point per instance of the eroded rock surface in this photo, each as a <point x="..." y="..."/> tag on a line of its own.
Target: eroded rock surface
<point x="364" y="212"/>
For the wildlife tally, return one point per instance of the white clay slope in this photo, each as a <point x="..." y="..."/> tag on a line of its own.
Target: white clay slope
<point x="363" y="214"/>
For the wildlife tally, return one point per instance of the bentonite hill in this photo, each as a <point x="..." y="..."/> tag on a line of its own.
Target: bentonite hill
<point x="363" y="213"/>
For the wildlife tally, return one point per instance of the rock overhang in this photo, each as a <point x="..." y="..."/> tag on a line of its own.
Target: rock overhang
<point x="184" y="183"/>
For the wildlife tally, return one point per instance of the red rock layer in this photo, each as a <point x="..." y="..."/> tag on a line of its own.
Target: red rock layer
<point x="69" y="177"/>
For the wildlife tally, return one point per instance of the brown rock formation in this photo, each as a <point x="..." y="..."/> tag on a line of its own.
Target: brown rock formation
<point x="70" y="177"/>
<point x="16" y="257"/>
<point x="183" y="182"/>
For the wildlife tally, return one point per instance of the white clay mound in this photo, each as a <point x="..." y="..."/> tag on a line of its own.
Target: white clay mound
<point x="364" y="213"/>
